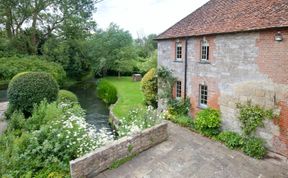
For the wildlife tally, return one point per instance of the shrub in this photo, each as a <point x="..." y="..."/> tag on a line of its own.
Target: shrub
<point x="11" y="66"/>
<point x="179" y="106"/>
<point x="107" y="92"/>
<point x="254" y="147"/>
<point x="66" y="96"/>
<point x="231" y="139"/>
<point x="182" y="120"/>
<point x="49" y="139"/>
<point x="149" y="87"/>
<point x="208" y="122"/>
<point x="27" y="89"/>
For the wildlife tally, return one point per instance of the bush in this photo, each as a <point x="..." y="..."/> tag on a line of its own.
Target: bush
<point x="179" y="106"/>
<point x="30" y="88"/>
<point x="49" y="139"/>
<point x="107" y="92"/>
<point x="231" y="139"/>
<point x="182" y="120"/>
<point x="208" y="122"/>
<point x="254" y="147"/>
<point x="149" y="87"/>
<point x="11" y="66"/>
<point x="66" y="96"/>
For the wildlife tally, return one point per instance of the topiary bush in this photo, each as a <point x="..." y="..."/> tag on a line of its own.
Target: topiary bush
<point x="254" y="147"/>
<point x="231" y="139"/>
<point x="66" y="96"/>
<point x="107" y="92"/>
<point x="149" y="87"/>
<point x="11" y="66"/>
<point x="30" y="88"/>
<point x="208" y="122"/>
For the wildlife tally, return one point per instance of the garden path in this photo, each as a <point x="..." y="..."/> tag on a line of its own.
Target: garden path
<point x="3" y="123"/>
<point x="187" y="154"/>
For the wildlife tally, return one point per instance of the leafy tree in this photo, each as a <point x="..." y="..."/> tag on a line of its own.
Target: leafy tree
<point x="111" y="50"/>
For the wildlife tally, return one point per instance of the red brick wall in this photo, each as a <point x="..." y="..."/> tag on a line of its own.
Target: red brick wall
<point x="173" y="49"/>
<point x="273" y="62"/>
<point x="211" y="41"/>
<point x="273" y="56"/>
<point x="213" y="93"/>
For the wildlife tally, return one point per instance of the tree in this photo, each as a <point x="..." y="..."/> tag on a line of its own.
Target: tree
<point x="112" y="50"/>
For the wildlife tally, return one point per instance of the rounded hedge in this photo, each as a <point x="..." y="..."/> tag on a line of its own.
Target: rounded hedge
<point x="149" y="87"/>
<point x="64" y="96"/>
<point x="107" y="92"/>
<point x="29" y="88"/>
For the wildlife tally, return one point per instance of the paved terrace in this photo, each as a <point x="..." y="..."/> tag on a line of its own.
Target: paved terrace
<point x="187" y="154"/>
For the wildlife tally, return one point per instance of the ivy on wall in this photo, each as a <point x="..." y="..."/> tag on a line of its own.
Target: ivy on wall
<point x="166" y="81"/>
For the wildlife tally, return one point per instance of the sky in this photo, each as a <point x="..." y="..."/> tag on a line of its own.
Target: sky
<point x="143" y="17"/>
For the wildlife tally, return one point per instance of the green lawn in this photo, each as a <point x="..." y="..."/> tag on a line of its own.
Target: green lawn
<point x="129" y="95"/>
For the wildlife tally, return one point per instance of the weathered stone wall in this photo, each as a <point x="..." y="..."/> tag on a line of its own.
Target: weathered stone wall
<point x="99" y="160"/>
<point x="242" y="66"/>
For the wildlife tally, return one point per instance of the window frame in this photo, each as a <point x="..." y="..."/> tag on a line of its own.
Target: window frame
<point x="178" y="54"/>
<point x="205" y="50"/>
<point x="203" y="96"/>
<point x="178" y="89"/>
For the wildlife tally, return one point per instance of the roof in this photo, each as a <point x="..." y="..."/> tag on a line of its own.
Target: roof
<point x="226" y="16"/>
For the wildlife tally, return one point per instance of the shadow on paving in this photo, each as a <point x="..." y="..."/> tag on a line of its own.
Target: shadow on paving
<point x="187" y="154"/>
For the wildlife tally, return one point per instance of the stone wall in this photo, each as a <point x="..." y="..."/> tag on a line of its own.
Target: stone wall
<point x="99" y="160"/>
<point x="242" y="66"/>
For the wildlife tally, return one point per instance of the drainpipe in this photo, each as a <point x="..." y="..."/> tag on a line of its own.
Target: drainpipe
<point x="185" y="69"/>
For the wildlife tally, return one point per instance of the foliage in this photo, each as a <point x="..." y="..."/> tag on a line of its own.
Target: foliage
<point x="111" y="49"/>
<point x="129" y="95"/>
<point x="11" y="66"/>
<point x="149" y="87"/>
<point x="231" y="139"/>
<point x="146" y="46"/>
<point x="254" y="147"/>
<point x="27" y="89"/>
<point x="145" y="64"/>
<point x="182" y="120"/>
<point x="107" y="92"/>
<point x="71" y="54"/>
<point x="139" y="119"/>
<point x="208" y="122"/>
<point x="252" y="116"/>
<point x="179" y="106"/>
<point x="43" y="144"/>
<point x="66" y="96"/>
<point x="166" y="81"/>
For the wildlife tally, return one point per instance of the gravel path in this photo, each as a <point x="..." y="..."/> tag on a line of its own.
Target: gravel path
<point x="3" y="123"/>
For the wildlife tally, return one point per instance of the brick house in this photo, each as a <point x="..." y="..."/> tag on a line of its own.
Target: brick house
<point x="231" y="51"/>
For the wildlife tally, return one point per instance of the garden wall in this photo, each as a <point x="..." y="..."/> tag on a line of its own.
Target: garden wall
<point x="99" y="160"/>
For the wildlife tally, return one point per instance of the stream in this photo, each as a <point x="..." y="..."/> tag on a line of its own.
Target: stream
<point x="97" y="112"/>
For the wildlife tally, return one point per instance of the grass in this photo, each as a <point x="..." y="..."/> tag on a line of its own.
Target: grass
<point x="119" y="162"/>
<point x="129" y="95"/>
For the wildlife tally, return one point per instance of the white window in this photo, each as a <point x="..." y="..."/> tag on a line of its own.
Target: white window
<point x="203" y="98"/>
<point x="204" y="50"/>
<point x="178" y="51"/>
<point x="178" y="89"/>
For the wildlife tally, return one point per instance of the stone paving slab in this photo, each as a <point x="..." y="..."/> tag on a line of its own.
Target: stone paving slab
<point x="187" y="154"/>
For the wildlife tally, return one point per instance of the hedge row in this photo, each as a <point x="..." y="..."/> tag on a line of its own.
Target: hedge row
<point x="11" y="66"/>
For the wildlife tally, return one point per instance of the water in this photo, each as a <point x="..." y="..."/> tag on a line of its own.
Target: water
<point x="3" y="95"/>
<point x="97" y="112"/>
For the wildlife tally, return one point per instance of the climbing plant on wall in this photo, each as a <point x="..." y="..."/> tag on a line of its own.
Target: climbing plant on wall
<point x="252" y="116"/>
<point x="166" y="81"/>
